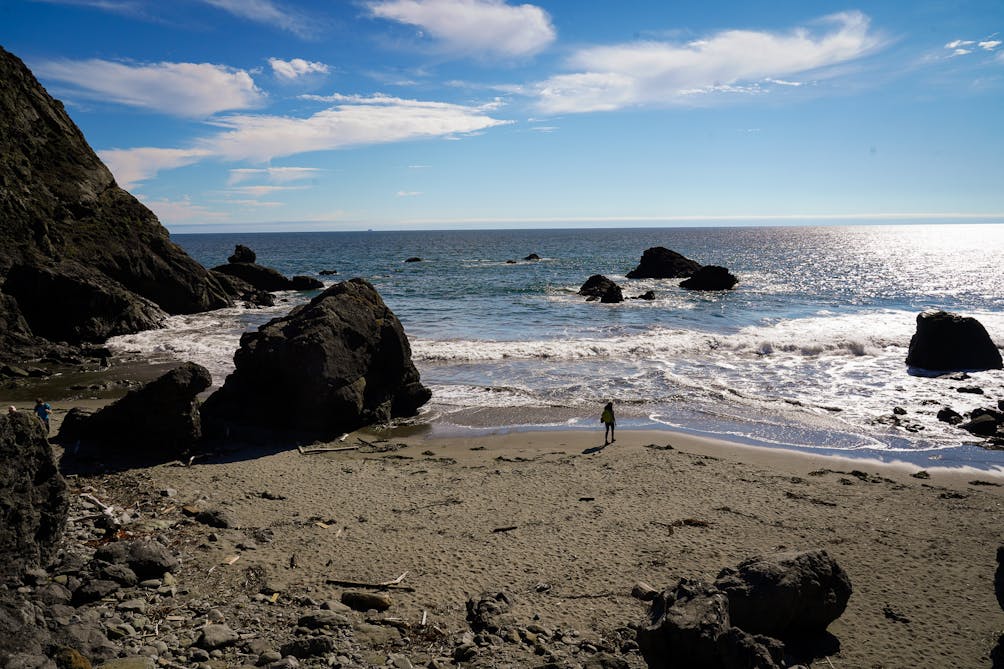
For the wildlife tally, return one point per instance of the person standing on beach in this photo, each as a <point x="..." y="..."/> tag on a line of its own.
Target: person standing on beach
<point x="43" y="410"/>
<point x="607" y="418"/>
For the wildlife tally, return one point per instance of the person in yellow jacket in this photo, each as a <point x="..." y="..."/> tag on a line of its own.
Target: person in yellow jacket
<point x="607" y="418"/>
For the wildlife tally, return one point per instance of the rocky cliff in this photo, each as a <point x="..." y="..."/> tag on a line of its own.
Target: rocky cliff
<point x="80" y="258"/>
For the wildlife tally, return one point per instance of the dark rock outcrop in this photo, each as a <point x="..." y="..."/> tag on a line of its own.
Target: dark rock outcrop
<point x="600" y="287"/>
<point x="532" y="256"/>
<point x="647" y="295"/>
<point x="689" y="626"/>
<point x="306" y="283"/>
<point x="257" y="276"/>
<point x="328" y="272"/>
<point x="144" y="557"/>
<point x="659" y="262"/>
<point x="949" y="415"/>
<point x="338" y="363"/>
<point x="984" y="425"/>
<point x="413" y="259"/>
<point x="72" y="243"/>
<point x="162" y="417"/>
<point x="786" y="595"/>
<point x="950" y="342"/>
<point x="242" y="254"/>
<point x="33" y="496"/>
<point x="710" y="277"/>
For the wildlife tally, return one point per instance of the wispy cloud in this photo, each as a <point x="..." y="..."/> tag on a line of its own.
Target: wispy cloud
<point x="177" y="89"/>
<point x="296" y="68"/>
<point x="279" y="175"/>
<point x="259" y="138"/>
<point x="662" y="73"/>
<point x="183" y="211"/>
<point x="133" y="8"/>
<point x="268" y="13"/>
<point x="408" y="193"/>
<point x="964" y="47"/>
<point x="490" y="27"/>
<point x="258" y="191"/>
<point x="361" y="120"/>
<point x="131" y="166"/>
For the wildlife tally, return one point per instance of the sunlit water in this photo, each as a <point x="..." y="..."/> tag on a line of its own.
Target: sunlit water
<point x="807" y="351"/>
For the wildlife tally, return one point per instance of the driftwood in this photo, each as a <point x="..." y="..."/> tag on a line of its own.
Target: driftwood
<point x="326" y="449"/>
<point x="394" y="584"/>
<point x="505" y="529"/>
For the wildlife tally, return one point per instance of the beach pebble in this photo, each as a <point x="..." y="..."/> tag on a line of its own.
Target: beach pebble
<point x="216" y="636"/>
<point x="323" y="618"/>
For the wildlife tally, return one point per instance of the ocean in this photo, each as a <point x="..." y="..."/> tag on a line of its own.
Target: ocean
<point x="807" y="352"/>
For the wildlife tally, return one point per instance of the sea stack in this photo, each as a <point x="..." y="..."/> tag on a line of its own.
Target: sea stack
<point x="80" y="258"/>
<point x="659" y="262"/>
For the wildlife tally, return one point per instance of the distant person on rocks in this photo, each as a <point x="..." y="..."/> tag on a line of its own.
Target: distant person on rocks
<point x="607" y="418"/>
<point x="12" y="409"/>
<point x="43" y="410"/>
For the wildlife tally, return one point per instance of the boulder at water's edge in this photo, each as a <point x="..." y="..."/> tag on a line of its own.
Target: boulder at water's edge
<point x="336" y="364"/>
<point x="950" y="342"/>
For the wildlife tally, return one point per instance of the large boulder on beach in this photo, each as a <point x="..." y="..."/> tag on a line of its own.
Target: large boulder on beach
<point x="786" y="595"/>
<point x="600" y="287"/>
<point x="688" y="625"/>
<point x="659" y="262"/>
<point x="710" y="277"/>
<point x="950" y="342"/>
<point x="33" y="496"/>
<point x="159" y="421"/>
<point x="333" y="365"/>
<point x="80" y="258"/>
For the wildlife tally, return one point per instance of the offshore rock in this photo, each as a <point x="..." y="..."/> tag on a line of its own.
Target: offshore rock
<point x="258" y="276"/>
<point x="599" y="286"/>
<point x="161" y="418"/>
<point x="786" y="595"/>
<point x="950" y="342"/>
<point x="710" y="277"/>
<point x="659" y="262"/>
<point x="33" y="496"/>
<point x="331" y="366"/>
<point x="80" y="258"/>
<point x="242" y="254"/>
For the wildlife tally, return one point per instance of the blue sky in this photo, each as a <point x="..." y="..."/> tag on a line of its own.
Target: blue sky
<point x="401" y="114"/>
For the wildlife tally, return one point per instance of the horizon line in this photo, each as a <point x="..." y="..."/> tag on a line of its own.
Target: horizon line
<point x="564" y="221"/>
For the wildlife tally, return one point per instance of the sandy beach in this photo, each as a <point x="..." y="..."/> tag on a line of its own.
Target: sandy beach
<point x="565" y="528"/>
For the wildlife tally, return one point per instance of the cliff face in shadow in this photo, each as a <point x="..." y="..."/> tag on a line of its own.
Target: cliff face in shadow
<point x="80" y="258"/>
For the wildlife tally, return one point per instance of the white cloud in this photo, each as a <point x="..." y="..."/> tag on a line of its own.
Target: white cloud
<point x="362" y="120"/>
<point x="279" y="175"/>
<point x="408" y="193"/>
<point x="651" y="73"/>
<point x="182" y="211"/>
<point x="130" y="166"/>
<point x="178" y="89"/>
<point x="296" y="68"/>
<point x="990" y="44"/>
<point x="961" y="52"/>
<point x="267" y="12"/>
<point x="955" y="44"/>
<point x="258" y="191"/>
<point x="474" y="26"/>
<point x="259" y="138"/>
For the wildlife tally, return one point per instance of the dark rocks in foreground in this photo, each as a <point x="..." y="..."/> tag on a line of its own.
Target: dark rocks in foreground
<point x="949" y="342"/>
<point x="158" y="422"/>
<point x="745" y="619"/>
<point x="786" y="595"/>
<point x="333" y="365"/>
<point x="999" y="577"/>
<point x="659" y="262"/>
<point x="33" y="496"/>
<point x="599" y="287"/>
<point x="710" y="277"/>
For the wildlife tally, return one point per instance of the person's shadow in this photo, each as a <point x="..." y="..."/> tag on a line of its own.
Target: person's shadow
<point x="594" y="449"/>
